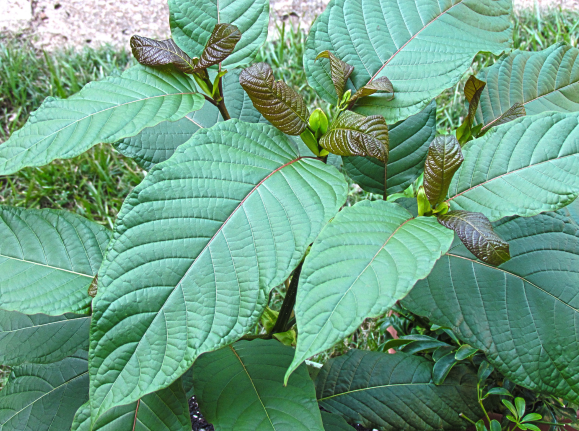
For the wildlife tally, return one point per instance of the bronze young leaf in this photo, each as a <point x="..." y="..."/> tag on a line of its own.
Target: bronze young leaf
<point x="152" y="52"/>
<point x="477" y="234"/>
<point x="341" y="71"/>
<point x="514" y="112"/>
<point x="443" y="160"/>
<point x="382" y="84"/>
<point x="276" y="101"/>
<point x="353" y="134"/>
<point x="472" y="91"/>
<point x="219" y="46"/>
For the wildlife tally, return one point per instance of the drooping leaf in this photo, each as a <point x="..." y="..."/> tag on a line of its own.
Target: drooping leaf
<point x="165" y="410"/>
<point x="353" y="134"/>
<point x="382" y="84"/>
<point x="193" y="21"/>
<point x="395" y="392"/>
<point x="442" y="368"/>
<point x="524" y="167"/>
<point x="423" y="47"/>
<point x="473" y="89"/>
<point x="536" y="82"/>
<point x="48" y="259"/>
<point x="477" y="234"/>
<point x="240" y="387"/>
<point x="408" y="142"/>
<point x="340" y="72"/>
<point x="275" y="100"/>
<point x="334" y="422"/>
<point x="150" y="52"/>
<point x="221" y="223"/>
<point x="443" y="160"/>
<point x="44" y="397"/>
<point x="522" y="315"/>
<point x="39" y="338"/>
<point x="156" y="144"/>
<point x="366" y="259"/>
<point x="102" y="112"/>
<point x="220" y="45"/>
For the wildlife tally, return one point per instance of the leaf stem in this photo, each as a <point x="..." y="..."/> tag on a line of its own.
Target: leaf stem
<point x="466" y="418"/>
<point x="289" y="301"/>
<point x="385" y="180"/>
<point x="221" y="104"/>
<point x="210" y="100"/>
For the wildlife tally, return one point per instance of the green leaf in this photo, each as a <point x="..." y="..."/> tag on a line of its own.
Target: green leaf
<point x="480" y="426"/>
<point x="165" y="410"/>
<point x="150" y="52"/>
<point x="465" y="351"/>
<point x="484" y="371"/>
<point x="39" y="338"/>
<point x="365" y="260"/>
<point x="48" y="259"/>
<point x="534" y="81"/>
<point x="477" y="234"/>
<point x="44" y="397"/>
<point x="422" y="345"/>
<point x="525" y="167"/>
<point x="240" y="387"/>
<point x="520" y="405"/>
<point x="522" y="315"/>
<point x="221" y="223"/>
<point x="423" y="47"/>
<point x="531" y="417"/>
<point x="511" y="407"/>
<point x="442" y="367"/>
<point x="280" y="104"/>
<point x="353" y="134"/>
<point x="193" y="21"/>
<point x="102" y="112"/>
<point x="187" y="381"/>
<point x="156" y="144"/>
<point x="443" y="160"/>
<point x="499" y="391"/>
<point x="531" y="427"/>
<point x="220" y="45"/>
<point x="395" y="392"/>
<point x="340" y="72"/>
<point x="334" y="422"/>
<point x="409" y="141"/>
<point x="495" y="425"/>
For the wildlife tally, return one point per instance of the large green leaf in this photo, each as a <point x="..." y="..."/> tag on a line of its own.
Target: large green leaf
<point x="334" y="422"/>
<point x="39" y="338"/>
<point x="423" y="47"/>
<point x="156" y="144"/>
<point x="44" y="397"/>
<point x="240" y="387"/>
<point x="192" y="23"/>
<point x="409" y="141"/>
<point x="204" y="238"/>
<point x="165" y="410"/>
<point x="541" y="81"/>
<point x="524" y="167"/>
<point x="48" y="260"/>
<point x="524" y="314"/>
<point x="103" y="111"/>
<point x="365" y="260"/>
<point x="395" y="392"/>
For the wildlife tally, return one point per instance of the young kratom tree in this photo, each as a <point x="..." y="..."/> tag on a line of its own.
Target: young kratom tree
<point x="467" y="238"/>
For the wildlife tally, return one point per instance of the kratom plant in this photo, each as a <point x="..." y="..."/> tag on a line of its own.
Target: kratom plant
<point x="246" y="191"/>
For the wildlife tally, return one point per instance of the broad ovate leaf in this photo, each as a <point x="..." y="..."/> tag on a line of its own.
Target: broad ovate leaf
<point x="395" y="392"/>
<point x="443" y="160"/>
<point x="219" y="46"/>
<point x="39" y="338"/>
<point x="340" y="72"/>
<point x="408" y="141"/>
<point x="193" y="21"/>
<point x="477" y="234"/>
<point x="151" y="52"/>
<point x="523" y="315"/>
<point x="164" y="410"/>
<point x="353" y="134"/>
<point x="48" y="259"/>
<point x="524" y="167"/>
<point x="203" y="239"/>
<point x="535" y="82"/>
<point x="102" y="112"/>
<point x="241" y="388"/>
<point x="333" y="422"/>
<point x="365" y="260"/>
<point x="423" y="47"/>
<point x="280" y="104"/>
<point x="44" y="397"/>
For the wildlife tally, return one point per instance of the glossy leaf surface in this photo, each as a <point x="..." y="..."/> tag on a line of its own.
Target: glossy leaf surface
<point x="443" y="160"/>
<point x="395" y="392"/>
<point x="340" y="72"/>
<point x="524" y="167"/>
<point x="366" y="259"/>
<point x="150" y="52"/>
<point x="423" y="47"/>
<point x="240" y="387"/>
<point x="219" y="46"/>
<point x="48" y="259"/>
<point x="102" y="112"/>
<point x="221" y="223"/>
<point x="334" y="422"/>
<point x="523" y="315"/>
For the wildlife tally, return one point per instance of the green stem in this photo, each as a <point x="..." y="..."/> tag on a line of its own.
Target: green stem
<point x="466" y="418"/>
<point x="288" y="303"/>
<point x="385" y="181"/>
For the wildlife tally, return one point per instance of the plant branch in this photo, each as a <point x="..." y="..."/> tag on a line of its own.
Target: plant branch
<point x="288" y="303"/>
<point x="209" y="99"/>
<point x="385" y="180"/>
<point x="221" y="105"/>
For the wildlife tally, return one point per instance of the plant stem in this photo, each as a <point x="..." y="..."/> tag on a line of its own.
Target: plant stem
<point x="466" y="418"/>
<point x="221" y="104"/>
<point x="385" y="180"/>
<point x="288" y="303"/>
<point x="210" y="100"/>
<point x="256" y="337"/>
